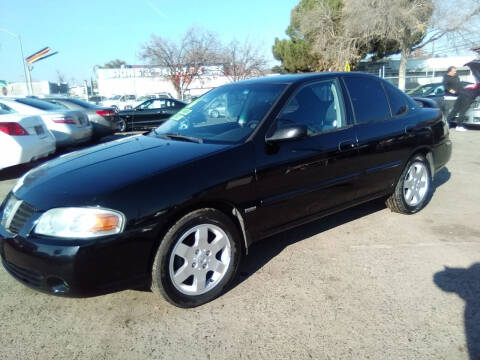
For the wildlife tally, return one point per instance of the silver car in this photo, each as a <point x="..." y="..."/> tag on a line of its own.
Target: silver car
<point x="105" y="121"/>
<point x="473" y="114"/>
<point x="69" y="127"/>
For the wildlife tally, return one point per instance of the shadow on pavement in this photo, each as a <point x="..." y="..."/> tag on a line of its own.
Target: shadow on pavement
<point x="466" y="284"/>
<point x="265" y="250"/>
<point x="441" y="177"/>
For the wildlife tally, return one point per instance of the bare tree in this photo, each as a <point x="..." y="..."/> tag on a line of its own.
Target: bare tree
<point x="321" y="23"/>
<point x="60" y="76"/>
<point x="411" y="24"/>
<point x="243" y="60"/>
<point x="323" y="26"/>
<point x="185" y="60"/>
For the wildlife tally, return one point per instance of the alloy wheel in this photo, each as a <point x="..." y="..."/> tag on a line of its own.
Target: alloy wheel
<point x="200" y="259"/>
<point x="416" y="184"/>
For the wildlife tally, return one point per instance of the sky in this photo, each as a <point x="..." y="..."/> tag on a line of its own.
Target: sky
<point x="92" y="32"/>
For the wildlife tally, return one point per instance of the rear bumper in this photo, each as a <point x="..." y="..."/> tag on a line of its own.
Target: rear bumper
<point x="71" y="135"/>
<point x="23" y="149"/>
<point x="473" y="117"/>
<point x="442" y="153"/>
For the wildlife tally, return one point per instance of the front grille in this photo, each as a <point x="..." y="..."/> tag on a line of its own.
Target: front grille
<point x="15" y="213"/>
<point x="23" y="213"/>
<point x="26" y="276"/>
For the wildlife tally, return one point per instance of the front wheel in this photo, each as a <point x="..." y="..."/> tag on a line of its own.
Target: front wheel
<point x="414" y="187"/>
<point x="122" y="126"/>
<point x="196" y="259"/>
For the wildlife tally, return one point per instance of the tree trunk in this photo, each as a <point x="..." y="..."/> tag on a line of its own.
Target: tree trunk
<point x="402" y="71"/>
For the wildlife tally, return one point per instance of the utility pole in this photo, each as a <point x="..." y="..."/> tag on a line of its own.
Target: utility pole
<point x="27" y="82"/>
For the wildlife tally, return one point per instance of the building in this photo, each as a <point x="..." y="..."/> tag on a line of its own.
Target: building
<point x="141" y="80"/>
<point x="40" y="88"/>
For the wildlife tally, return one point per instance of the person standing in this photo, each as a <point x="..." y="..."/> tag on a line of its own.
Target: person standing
<point x="453" y="86"/>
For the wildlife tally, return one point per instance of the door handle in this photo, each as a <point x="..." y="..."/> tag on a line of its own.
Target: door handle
<point x="347" y="145"/>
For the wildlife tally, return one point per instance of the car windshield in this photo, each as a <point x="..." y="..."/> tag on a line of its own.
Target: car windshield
<point x="245" y="105"/>
<point x="422" y="90"/>
<point x="39" y="104"/>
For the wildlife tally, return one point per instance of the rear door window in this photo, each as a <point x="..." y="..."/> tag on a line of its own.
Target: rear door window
<point x="368" y="99"/>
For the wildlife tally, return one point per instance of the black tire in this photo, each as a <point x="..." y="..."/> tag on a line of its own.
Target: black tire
<point x="397" y="202"/>
<point x="123" y="126"/>
<point x="162" y="283"/>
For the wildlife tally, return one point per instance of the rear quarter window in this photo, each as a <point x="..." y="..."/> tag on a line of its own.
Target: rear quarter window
<point x="397" y="99"/>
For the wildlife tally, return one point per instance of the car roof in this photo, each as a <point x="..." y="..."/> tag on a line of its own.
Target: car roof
<point x="299" y="78"/>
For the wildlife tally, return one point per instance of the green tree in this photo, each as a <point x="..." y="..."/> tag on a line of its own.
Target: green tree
<point x="114" y="64"/>
<point x="295" y="53"/>
<point x="318" y="39"/>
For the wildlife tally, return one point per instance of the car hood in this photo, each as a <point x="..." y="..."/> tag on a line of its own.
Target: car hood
<point x="82" y="177"/>
<point x="475" y="67"/>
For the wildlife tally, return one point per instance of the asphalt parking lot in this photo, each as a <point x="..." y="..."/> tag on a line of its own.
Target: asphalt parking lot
<point x="362" y="284"/>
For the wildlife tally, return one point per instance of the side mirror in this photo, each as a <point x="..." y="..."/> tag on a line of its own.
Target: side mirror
<point x="288" y="133"/>
<point x="425" y="103"/>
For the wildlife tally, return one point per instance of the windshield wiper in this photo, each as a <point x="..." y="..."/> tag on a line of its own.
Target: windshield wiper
<point x="182" y="137"/>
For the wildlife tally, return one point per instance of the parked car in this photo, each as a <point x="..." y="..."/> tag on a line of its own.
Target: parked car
<point x="23" y="139"/>
<point x="96" y="99"/>
<point x="120" y="102"/>
<point x="436" y="92"/>
<point x="70" y="127"/>
<point x="144" y="98"/>
<point x="105" y="121"/>
<point x="149" y="114"/>
<point x="179" y="205"/>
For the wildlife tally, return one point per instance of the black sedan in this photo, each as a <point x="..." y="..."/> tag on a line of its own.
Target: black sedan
<point x="180" y="205"/>
<point x="149" y="114"/>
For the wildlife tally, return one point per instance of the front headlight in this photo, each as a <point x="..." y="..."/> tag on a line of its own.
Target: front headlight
<point x="80" y="222"/>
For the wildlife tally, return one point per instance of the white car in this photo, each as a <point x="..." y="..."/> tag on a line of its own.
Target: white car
<point x="23" y="139"/>
<point x="70" y="127"/>
<point x="120" y="102"/>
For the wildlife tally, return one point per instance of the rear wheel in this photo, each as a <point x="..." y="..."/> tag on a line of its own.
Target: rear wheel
<point x="197" y="258"/>
<point x="414" y="187"/>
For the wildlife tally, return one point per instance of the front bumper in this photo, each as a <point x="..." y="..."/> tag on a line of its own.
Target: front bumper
<point x="77" y="268"/>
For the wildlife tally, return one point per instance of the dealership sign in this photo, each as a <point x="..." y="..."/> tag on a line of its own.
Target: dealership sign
<point x="149" y="72"/>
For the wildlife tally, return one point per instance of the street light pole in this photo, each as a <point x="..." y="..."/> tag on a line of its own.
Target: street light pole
<point x="27" y="84"/>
